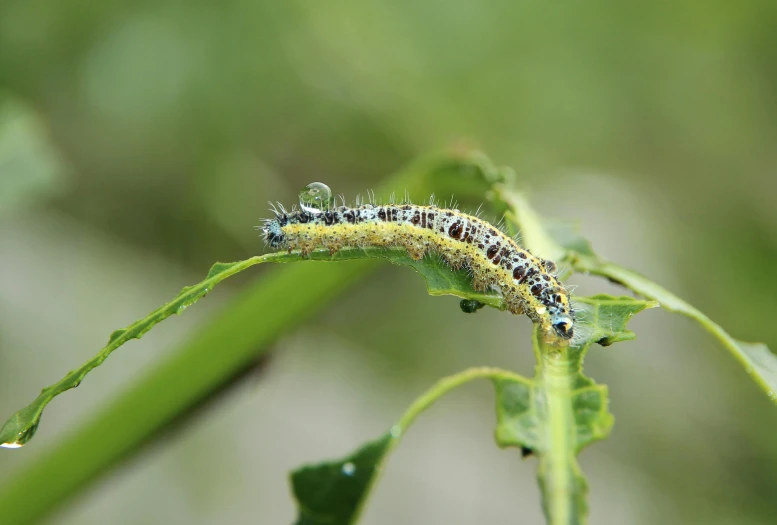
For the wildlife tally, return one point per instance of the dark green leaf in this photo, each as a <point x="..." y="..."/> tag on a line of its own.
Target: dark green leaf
<point x="332" y="493"/>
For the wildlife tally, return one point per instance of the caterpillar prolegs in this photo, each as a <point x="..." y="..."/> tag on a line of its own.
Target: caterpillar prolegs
<point x="527" y="283"/>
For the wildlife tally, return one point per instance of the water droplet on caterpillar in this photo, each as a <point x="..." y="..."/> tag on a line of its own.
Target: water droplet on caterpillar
<point x="316" y="197"/>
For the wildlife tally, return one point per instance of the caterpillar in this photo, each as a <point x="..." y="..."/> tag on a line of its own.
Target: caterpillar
<point x="527" y="283"/>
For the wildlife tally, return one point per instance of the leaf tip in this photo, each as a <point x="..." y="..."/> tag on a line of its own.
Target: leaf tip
<point x="18" y="429"/>
<point x="332" y="492"/>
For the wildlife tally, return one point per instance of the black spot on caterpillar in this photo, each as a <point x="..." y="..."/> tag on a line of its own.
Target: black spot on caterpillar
<point x="527" y="283"/>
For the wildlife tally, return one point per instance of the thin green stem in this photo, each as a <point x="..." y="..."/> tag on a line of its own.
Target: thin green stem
<point x="759" y="362"/>
<point x="442" y="387"/>
<point x="426" y="400"/>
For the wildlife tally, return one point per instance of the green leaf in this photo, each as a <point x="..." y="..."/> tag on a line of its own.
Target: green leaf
<point x="333" y="492"/>
<point x="560" y="411"/>
<point x="602" y="318"/>
<point x="21" y="427"/>
<point x="561" y="242"/>
<point x="440" y="279"/>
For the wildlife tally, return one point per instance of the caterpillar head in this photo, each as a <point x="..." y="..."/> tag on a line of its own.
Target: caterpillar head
<point x="563" y="325"/>
<point x="561" y="314"/>
<point x="273" y="232"/>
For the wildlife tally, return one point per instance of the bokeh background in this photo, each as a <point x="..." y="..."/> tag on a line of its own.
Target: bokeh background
<point x="139" y="142"/>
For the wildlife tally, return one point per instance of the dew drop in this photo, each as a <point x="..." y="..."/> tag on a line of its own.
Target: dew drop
<point x="18" y="438"/>
<point x="770" y="394"/>
<point x="395" y="431"/>
<point x="316" y="197"/>
<point x="349" y="468"/>
<point x="181" y="308"/>
<point x="470" y="306"/>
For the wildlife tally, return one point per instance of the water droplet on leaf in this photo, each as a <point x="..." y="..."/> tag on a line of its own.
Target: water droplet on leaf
<point x="470" y="306"/>
<point x="316" y="197"/>
<point x="19" y="438"/>
<point x="349" y="468"/>
<point x="395" y="431"/>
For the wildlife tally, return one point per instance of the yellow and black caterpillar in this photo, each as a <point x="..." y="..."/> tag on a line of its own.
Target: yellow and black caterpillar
<point x="527" y="283"/>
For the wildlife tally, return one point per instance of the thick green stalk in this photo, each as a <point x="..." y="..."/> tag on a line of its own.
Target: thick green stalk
<point x="558" y="470"/>
<point x="214" y="353"/>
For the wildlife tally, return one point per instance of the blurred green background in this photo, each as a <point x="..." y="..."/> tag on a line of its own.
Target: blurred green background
<point x="140" y="141"/>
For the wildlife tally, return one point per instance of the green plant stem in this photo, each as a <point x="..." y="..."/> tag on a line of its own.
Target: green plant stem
<point x="445" y="385"/>
<point x="556" y="372"/>
<point x="427" y="399"/>
<point x="759" y="362"/>
<point x="557" y="368"/>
